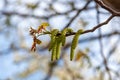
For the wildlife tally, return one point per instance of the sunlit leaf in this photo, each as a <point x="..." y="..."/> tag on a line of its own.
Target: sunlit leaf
<point x="42" y="27"/>
<point x="45" y="24"/>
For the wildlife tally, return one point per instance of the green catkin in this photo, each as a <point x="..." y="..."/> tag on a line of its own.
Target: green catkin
<point x="58" y="48"/>
<point x="61" y="41"/>
<point x="53" y="56"/>
<point x="53" y="36"/>
<point x="63" y="35"/>
<point x="74" y="43"/>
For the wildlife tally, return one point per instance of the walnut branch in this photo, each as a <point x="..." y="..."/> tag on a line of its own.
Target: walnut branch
<point x="94" y="28"/>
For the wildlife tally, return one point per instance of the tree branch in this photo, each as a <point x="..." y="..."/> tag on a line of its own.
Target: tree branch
<point x="78" y="12"/>
<point x="115" y="13"/>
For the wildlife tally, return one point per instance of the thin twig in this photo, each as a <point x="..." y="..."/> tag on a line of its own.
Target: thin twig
<point x="101" y="45"/>
<point x="90" y="30"/>
<point x="77" y="14"/>
<point x="99" y="25"/>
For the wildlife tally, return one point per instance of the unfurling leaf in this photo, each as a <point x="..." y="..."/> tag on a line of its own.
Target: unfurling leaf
<point x="35" y="41"/>
<point x="74" y="43"/>
<point x="45" y="24"/>
<point x="38" y="41"/>
<point x="35" y="33"/>
<point x="42" y="27"/>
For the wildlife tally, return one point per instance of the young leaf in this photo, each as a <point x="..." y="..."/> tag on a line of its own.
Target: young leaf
<point x="42" y="27"/>
<point x="38" y="41"/>
<point x="45" y="24"/>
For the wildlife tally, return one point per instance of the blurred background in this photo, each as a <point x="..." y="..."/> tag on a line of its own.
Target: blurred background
<point x="93" y="60"/>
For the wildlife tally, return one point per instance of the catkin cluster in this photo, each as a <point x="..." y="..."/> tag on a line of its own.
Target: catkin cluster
<point x="57" y="41"/>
